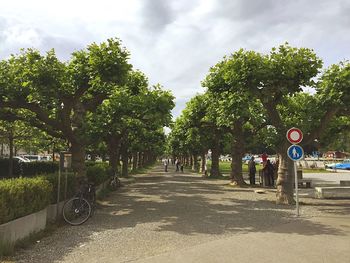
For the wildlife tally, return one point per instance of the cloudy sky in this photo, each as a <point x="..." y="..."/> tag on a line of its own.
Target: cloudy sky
<point x="174" y="42"/>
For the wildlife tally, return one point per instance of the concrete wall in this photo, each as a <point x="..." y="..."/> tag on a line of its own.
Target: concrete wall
<point x="52" y="211"/>
<point x="20" y="228"/>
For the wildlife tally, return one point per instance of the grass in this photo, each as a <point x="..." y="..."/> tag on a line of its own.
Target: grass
<point x="225" y="168"/>
<point x="316" y="170"/>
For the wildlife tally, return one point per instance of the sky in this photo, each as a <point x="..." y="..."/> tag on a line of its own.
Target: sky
<point x="175" y="42"/>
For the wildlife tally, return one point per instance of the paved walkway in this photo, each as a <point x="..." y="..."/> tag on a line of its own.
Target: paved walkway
<point x="172" y="217"/>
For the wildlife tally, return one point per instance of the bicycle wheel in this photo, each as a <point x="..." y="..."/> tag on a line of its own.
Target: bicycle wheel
<point x="92" y="201"/>
<point x="76" y="211"/>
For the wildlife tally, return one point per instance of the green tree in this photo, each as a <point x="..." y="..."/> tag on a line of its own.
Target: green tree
<point x="236" y="112"/>
<point x="11" y="132"/>
<point x="195" y="132"/>
<point x="130" y="112"/>
<point x="282" y="74"/>
<point x="56" y="96"/>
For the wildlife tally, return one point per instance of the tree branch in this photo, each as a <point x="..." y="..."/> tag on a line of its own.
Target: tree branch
<point x="326" y="118"/>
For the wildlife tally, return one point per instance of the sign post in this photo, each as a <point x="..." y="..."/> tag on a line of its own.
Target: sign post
<point x="295" y="153"/>
<point x="65" y="162"/>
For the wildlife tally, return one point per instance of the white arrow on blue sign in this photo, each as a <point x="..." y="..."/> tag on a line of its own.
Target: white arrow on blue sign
<point x="295" y="152"/>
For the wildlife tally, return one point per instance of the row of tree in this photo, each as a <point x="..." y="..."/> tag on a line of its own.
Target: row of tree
<point x="95" y="103"/>
<point x="253" y="98"/>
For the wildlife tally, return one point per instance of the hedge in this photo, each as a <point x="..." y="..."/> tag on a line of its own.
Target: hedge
<point x="97" y="173"/>
<point x="53" y="180"/>
<point x="23" y="196"/>
<point x="4" y="168"/>
<point x="29" y="169"/>
<point x="35" y="168"/>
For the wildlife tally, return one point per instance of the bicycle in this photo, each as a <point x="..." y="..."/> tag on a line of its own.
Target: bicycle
<point x="115" y="182"/>
<point x="80" y="208"/>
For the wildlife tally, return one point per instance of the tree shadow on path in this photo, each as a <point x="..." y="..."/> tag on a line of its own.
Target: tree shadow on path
<point x="185" y="205"/>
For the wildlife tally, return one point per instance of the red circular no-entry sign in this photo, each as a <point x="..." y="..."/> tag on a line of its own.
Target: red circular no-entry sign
<point x="294" y="135"/>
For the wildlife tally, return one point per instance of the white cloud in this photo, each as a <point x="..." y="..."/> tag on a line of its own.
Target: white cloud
<point x="175" y="42"/>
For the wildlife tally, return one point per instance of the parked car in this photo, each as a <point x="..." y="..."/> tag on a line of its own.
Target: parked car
<point x="247" y="158"/>
<point x="34" y="158"/>
<point x="345" y="165"/>
<point x="21" y="159"/>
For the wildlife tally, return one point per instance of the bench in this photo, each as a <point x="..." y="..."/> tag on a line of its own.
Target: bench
<point x="344" y="182"/>
<point x="332" y="192"/>
<point x="307" y="183"/>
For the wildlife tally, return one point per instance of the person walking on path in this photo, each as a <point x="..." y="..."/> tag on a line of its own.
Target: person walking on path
<point x="252" y="171"/>
<point x="268" y="173"/>
<point x="165" y="162"/>
<point x="177" y="163"/>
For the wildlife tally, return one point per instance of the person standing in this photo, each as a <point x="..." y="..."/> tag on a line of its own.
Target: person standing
<point x="268" y="173"/>
<point x="252" y="171"/>
<point x="165" y="162"/>
<point x="264" y="158"/>
<point x="177" y="163"/>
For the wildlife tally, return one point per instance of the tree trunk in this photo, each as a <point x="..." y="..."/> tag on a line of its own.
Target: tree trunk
<point x="113" y="148"/>
<point x="134" y="161"/>
<point x="143" y="159"/>
<point x="237" y="152"/>
<point x="53" y="152"/>
<point x="125" y="159"/>
<point x="285" y="178"/>
<point x="187" y="160"/>
<point x="10" y="171"/>
<point x="215" y="154"/>
<point x="140" y="160"/>
<point x="78" y="160"/>
<point x="195" y="163"/>
<point x="78" y="144"/>
<point x="203" y="164"/>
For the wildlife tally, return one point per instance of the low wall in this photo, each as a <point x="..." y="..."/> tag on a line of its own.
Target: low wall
<point x="52" y="211"/>
<point x="20" y="228"/>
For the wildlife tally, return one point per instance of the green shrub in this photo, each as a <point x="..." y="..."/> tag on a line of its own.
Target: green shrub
<point x="97" y="173"/>
<point x="23" y="196"/>
<point x="29" y="169"/>
<point x="53" y="179"/>
<point x="35" y="168"/>
<point x="4" y="168"/>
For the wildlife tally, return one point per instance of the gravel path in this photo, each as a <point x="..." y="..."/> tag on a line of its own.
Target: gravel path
<point x="163" y="212"/>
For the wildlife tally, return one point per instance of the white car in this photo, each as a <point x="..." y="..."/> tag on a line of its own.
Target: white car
<point x="21" y="159"/>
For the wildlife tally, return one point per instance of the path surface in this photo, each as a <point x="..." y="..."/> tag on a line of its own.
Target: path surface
<point x="172" y="217"/>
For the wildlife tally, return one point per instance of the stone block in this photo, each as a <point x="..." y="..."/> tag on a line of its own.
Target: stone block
<point x="332" y="192"/>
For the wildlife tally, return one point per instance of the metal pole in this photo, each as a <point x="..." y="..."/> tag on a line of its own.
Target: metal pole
<point x="66" y="186"/>
<point x="58" y="187"/>
<point x="296" y="187"/>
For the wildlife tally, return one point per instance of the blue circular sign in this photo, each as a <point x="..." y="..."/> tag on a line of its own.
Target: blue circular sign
<point x="295" y="152"/>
